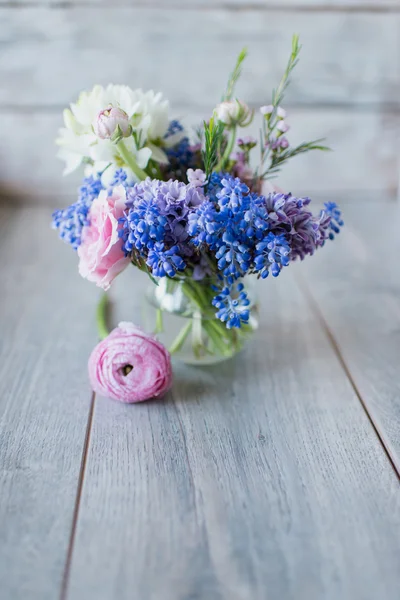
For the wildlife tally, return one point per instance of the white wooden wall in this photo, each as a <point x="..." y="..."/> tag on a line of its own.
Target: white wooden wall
<point x="347" y="85"/>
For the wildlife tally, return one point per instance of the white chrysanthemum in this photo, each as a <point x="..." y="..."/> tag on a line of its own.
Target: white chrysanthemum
<point x="148" y="116"/>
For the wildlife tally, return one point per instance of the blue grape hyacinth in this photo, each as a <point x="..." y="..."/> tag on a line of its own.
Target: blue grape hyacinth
<point x="233" y="305"/>
<point x="70" y="221"/>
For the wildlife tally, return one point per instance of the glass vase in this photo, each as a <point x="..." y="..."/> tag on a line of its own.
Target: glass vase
<point x="181" y="314"/>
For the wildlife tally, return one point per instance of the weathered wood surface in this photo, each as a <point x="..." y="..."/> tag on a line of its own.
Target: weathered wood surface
<point x="50" y="54"/>
<point x="46" y="334"/>
<point x="359" y="300"/>
<point x="268" y="5"/>
<point x="260" y="476"/>
<point x="365" y="153"/>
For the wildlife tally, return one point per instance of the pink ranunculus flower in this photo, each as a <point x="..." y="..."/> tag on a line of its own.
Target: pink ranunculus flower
<point x="109" y="120"/>
<point x="101" y="256"/>
<point x="130" y="365"/>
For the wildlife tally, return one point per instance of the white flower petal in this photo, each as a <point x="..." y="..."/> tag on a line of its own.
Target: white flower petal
<point x="157" y="154"/>
<point x="142" y="157"/>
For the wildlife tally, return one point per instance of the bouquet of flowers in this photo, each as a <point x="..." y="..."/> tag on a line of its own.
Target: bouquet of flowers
<point x="197" y="215"/>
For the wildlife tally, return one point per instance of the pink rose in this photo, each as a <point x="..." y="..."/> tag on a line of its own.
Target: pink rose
<point x="130" y="366"/>
<point x="100" y="253"/>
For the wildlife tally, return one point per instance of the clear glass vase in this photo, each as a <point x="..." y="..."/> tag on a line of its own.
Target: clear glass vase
<point x="181" y="314"/>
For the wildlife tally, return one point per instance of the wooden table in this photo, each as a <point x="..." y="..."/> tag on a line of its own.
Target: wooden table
<point x="273" y="476"/>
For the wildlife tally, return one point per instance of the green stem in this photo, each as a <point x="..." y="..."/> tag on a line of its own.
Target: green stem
<point x="222" y="347"/>
<point x="159" y="321"/>
<point x="197" y="338"/>
<point x="101" y="317"/>
<point x="130" y="161"/>
<point x="191" y="294"/>
<point x="180" y="338"/>
<point x="228" y="151"/>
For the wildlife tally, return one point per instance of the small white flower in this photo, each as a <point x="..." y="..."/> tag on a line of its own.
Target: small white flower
<point x="282" y="126"/>
<point x="281" y="112"/>
<point x="234" y="112"/>
<point x="266" y="110"/>
<point x="196" y="177"/>
<point x="111" y="120"/>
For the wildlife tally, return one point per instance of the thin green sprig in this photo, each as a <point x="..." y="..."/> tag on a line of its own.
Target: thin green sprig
<point x="234" y="76"/>
<point x="213" y="134"/>
<point x="278" y="94"/>
<point x="279" y="156"/>
<point x="278" y="159"/>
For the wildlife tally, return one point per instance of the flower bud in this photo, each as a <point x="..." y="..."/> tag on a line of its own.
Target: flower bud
<point x="234" y="112"/>
<point x="266" y="110"/>
<point x="280" y="112"/>
<point x="284" y="143"/>
<point x="282" y="127"/>
<point x="247" y="142"/>
<point x="112" y="123"/>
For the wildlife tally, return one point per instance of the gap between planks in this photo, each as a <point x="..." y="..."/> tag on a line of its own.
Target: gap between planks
<point x="75" y="517"/>
<point x="227" y="6"/>
<point x="336" y="348"/>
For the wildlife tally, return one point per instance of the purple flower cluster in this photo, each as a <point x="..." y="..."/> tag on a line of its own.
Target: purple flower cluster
<point x="290" y="216"/>
<point x="156" y="224"/>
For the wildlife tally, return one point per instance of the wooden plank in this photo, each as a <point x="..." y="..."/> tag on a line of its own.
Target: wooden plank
<point x="268" y="5"/>
<point x="359" y="303"/>
<point x="46" y="333"/>
<point x="349" y="58"/>
<point x="259" y="476"/>
<point x="365" y="153"/>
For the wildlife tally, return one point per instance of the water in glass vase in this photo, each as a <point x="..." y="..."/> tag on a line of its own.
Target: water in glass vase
<point x="180" y="312"/>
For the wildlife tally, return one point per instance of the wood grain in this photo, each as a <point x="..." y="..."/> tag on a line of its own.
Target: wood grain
<point x="360" y="304"/>
<point x="268" y="5"/>
<point x="46" y="333"/>
<point x="260" y="476"/>
<point x="365" y="153"/>
<point x="50" y="54"/>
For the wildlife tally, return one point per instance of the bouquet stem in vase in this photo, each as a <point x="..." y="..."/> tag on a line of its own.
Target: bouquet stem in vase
<point x="182" y="314"/>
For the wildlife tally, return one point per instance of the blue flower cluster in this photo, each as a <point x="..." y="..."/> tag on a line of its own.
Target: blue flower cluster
<point x="155" y="224"/>
<point x="248" y="233"/>
<point x="70" y="221"/>
<point x="272" y="253"/>
<point x="233" y="304"/>
<point x="336" y="222"/>
<point x="181" y="156"/>
<point x="231" y="227"/>
<point x="120" y="178"/>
